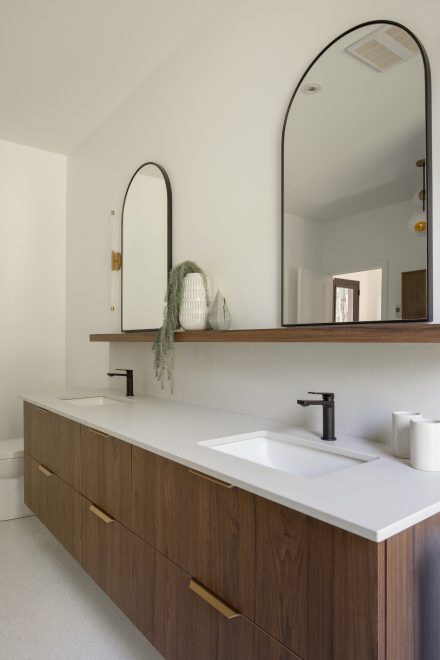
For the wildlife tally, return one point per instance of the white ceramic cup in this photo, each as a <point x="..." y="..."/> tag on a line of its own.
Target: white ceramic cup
<point x="425" y="444"/>
<point x="400" y="439"/>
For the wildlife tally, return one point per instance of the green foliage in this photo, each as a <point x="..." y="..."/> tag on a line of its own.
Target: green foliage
<point x="163" y="346"/>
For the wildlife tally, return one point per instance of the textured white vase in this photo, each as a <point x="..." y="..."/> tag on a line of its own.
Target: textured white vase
<point x="194" y="308"/>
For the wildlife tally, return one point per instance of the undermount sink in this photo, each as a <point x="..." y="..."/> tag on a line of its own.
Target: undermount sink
<point x="88" y="401"/>
<point x="291" y="454"/>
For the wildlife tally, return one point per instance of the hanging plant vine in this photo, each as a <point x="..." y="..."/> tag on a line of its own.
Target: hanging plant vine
<point x="163" y="346"/>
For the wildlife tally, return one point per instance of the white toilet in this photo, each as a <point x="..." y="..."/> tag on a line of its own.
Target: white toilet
<point x="12" y="479"/>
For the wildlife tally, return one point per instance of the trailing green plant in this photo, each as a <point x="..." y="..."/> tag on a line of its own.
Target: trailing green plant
<point x="163" y="346"/>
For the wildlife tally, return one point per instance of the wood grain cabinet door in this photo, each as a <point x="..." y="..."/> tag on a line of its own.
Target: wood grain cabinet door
<point x="106" y="473"/>
<point x="180" y="623"/>
<point x="203" y="525"/>
<point x="319" y="590"/>
<point x="53" y="440"/>
<point x="55" y="503"/>
<point x="106" y="554"/>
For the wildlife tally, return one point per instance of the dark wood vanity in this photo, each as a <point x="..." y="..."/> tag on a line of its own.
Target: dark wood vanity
<point x="208" y="571"/>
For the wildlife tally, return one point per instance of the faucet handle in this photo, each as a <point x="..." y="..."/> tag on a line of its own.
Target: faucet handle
<point x="128" y="371"/>
<point x="327" y="396"/>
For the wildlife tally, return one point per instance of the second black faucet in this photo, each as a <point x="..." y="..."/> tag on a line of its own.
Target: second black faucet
<point x="328" y="412"/>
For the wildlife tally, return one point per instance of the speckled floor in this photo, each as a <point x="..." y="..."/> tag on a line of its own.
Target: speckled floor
<point x="50" y="609"/>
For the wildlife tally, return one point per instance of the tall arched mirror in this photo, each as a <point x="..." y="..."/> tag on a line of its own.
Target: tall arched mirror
<point x="146" y="248"/>
<point x="356" y="183"/>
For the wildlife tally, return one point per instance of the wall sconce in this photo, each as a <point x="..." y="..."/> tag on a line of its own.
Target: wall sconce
<point x="418" y="221"/>
<point x="116" y="263"/>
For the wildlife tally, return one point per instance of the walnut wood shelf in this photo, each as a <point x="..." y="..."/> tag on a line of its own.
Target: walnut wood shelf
<point x="381" y="333"/>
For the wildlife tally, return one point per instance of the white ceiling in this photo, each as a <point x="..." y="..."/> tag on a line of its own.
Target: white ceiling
<point x="65" y="65"/>
<point x="353" y="146"/>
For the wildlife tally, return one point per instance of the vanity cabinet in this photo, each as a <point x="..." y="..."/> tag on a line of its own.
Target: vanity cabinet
<point x="106" y="473"/>
<point x="106" y="553"/>
<point x="208" y="571"/>
<point x="54" y="441"/>
<point x="55" y="502"/>
<point x="203" y="525"/>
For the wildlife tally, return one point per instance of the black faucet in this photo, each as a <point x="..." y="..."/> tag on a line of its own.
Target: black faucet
<point x="328" y="412"/>
<point x="128" y="374"/>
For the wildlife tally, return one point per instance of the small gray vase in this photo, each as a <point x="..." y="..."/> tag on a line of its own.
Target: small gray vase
<point x="219" y="316"/>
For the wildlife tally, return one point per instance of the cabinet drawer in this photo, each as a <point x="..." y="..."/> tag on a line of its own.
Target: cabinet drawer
<point x="53" y="441"/>
<point x="201" y="524"/>
<point x="106" y="473"/>
<point x="55" y="503"/>
<point x="282" y="570"/>
<point x="317" y="586"/>
<point x="106" y="553"/>
<point x="267" y="648"/>
<point x="178" y="621"/>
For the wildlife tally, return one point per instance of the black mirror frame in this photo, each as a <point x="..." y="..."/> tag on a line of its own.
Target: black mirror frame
<point x="428" y="134"/>
<point x="169" y="236"/>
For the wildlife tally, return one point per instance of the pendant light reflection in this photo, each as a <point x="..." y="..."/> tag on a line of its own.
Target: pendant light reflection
<point x="418" y="221"/>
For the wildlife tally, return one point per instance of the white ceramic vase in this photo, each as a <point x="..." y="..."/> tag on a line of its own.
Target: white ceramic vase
<point x="194" y="308"/>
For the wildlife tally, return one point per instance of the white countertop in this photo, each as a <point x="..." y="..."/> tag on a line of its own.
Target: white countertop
<point x="376" y="499"/>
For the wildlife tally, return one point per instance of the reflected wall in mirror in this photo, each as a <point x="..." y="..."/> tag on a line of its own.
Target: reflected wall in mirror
<point x="356" y="183"/>
<point x="146" y="248"/>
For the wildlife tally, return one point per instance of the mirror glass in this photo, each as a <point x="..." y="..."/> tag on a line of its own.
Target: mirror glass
<point x="146" y="248"/>
<point x="356" y="179"/>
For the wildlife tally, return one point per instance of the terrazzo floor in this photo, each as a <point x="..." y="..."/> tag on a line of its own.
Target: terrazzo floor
<point x="50" y="609"/>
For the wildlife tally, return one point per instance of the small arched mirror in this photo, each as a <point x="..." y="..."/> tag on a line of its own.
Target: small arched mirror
<point x="356" y="183"/>
<point x="146" y="248"/>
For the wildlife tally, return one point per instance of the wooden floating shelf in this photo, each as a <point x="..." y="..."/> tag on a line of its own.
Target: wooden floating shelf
<point x="380" y="333"/>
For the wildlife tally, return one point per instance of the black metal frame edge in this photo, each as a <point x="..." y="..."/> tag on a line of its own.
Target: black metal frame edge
<point x="169" y="235"/>
<point x="428" y="133"/>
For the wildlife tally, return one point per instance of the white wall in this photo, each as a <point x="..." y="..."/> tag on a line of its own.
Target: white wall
<point x="212" y="116"/>
<point x="32" y="272"/>
<point x="302" y="247"/>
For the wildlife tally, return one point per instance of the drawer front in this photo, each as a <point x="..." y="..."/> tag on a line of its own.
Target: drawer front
<point x="203" y="525"/>
<point x="282" y="562"/>
<point x="53" y="441"/>
<point x="55" y="503"/>
<point x="181" y="623"/>
<point x="106" y="554"/>
<point x="267" y="648"/>
<point x="106" y="473"/>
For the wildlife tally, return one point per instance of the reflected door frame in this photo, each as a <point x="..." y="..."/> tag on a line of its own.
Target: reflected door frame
<point x="354" y="285"/>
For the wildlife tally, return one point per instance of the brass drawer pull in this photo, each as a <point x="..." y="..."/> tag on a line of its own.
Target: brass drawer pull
<point x="104" y="435"/>
<point x="94" y="509"/>
<point x="45" y="471"/>
<point x="219" y="482"/>
<point x="213" y="600"/>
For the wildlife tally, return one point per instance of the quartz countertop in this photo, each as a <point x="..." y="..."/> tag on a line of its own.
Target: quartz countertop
<point x="376" y="499"/>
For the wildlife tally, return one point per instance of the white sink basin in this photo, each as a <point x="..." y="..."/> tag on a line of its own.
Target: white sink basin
<point x="296" y="456"/>
<point x="88" y="401"/>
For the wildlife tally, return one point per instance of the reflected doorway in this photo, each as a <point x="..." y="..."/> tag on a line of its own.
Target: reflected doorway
<point x="358" y="296"/>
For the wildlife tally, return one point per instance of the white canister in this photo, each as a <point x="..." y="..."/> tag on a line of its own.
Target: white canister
<point x="194" y="308"/>
<point x="425" y="444"/>
<point x="400" y="438"/>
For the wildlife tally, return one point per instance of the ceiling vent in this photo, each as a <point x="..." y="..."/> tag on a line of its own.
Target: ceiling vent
<point x="384" y="48"/>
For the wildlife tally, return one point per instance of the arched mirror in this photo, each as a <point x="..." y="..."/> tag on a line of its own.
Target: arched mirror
<point x="146" y="248"/>
<point x="356" y="224"/>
